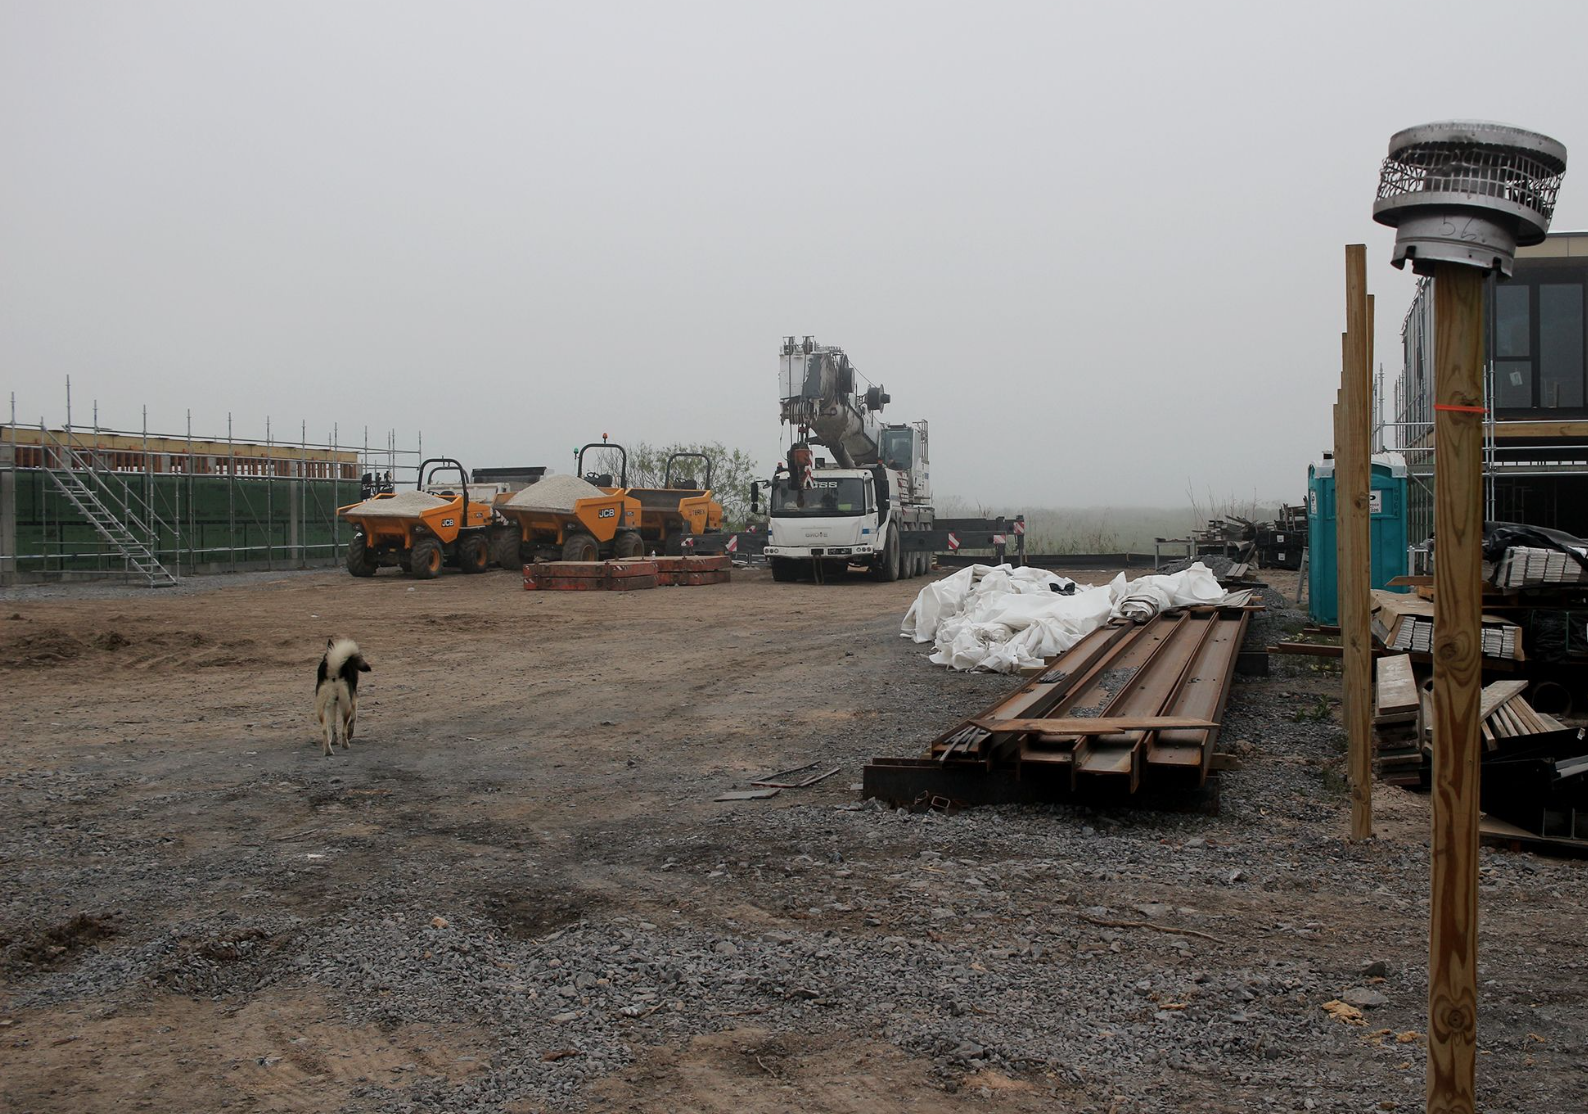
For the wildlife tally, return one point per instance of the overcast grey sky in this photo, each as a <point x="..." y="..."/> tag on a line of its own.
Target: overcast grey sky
<point x="1099" y="247"/>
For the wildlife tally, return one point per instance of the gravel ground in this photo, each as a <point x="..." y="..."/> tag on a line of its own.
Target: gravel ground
<point x="533" y="927"/>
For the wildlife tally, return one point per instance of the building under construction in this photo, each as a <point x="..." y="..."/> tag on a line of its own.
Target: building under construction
<point x="93" y="502"/>
<point x="1535" y="436"/>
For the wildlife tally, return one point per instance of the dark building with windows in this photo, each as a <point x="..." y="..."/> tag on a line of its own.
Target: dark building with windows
<point x="1535" y="458"/>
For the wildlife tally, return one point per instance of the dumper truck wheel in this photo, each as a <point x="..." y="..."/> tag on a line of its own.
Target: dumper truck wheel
<point x="628" y="544"/>
<point x="504" y="549"/>
<point x="785" y="569"/>
<point x="424" y="560"/>
<point x="474" y="555"/>
<point x="581" y="547"/>
<point x="360" y="561"/>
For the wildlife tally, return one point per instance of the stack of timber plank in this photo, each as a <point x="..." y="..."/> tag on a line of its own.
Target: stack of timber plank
<point x="1533" y="769"/>
<point x="1525" y="566"/>
<point x="1406" y="623"/>
<point x="590" y="576"/>
<point x="694" y="571"/>
<point x="1397" y="732"/>
<point x="1403" y="724"/>
<point x="1506" y="715"/>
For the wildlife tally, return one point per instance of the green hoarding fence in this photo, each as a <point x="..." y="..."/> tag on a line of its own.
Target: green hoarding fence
<point x="210" y="523"/>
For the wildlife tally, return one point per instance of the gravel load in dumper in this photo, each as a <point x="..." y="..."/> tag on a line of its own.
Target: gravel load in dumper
<point x="404" y="504"/>
<point x="555" y="494"/>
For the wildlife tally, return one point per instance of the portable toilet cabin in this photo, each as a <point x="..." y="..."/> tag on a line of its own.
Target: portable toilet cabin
<point x="1387" y="529"/>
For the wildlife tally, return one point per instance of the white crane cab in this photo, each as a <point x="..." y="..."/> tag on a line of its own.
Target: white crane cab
<point x="823" y="520"/>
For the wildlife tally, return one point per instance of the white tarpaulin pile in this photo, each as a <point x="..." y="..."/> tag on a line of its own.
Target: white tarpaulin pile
<point x="1004" y="619"/>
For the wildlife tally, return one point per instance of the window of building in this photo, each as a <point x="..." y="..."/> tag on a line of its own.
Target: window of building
<point x="1513" y="384"/>
<point x="1560" y="345"/>
<point x="1512" y="321"/>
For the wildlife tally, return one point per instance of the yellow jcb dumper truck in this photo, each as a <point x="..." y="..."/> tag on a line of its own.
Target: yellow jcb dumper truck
<point x="569" y="518"/>
<point x="421" y="530"/>
<point x="678" y="510"/>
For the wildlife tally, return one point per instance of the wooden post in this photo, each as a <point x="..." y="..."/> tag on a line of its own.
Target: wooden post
<point x="1458" y="540"/>
<point x="1353" y="473"/>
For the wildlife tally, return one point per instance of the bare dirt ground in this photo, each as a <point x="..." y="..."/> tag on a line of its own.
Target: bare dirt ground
<point x="516" y="892"/>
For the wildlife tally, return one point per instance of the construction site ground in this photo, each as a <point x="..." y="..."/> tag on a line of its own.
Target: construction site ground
<point x="517" y="893"/>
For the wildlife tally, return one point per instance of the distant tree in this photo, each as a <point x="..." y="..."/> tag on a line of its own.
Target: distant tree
<point x="732" y="473"/>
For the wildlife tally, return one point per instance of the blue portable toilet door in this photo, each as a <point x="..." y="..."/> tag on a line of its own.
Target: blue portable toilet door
<point x="1387" y="524"/>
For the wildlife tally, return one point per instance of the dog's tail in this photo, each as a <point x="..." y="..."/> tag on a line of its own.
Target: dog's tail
<point x="340" y="653"/>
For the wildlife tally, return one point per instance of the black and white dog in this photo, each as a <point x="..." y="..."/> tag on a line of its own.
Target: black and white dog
<point x="336" y="690"/>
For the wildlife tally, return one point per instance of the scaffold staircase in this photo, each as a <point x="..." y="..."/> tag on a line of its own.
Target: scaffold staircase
<point x="112" y="515"/>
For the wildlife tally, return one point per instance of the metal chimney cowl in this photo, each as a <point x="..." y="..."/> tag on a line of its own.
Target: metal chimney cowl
<point x="1469" y="192"/>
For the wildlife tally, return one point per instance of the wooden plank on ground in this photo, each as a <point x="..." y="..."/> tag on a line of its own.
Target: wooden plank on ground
<point x="1500" y="833"/>
<point x="1396" y="690"/>
<point x="746" y="795"/>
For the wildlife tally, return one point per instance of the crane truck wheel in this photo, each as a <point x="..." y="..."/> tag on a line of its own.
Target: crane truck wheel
<point x="474" y="553"/>
<point x="580" y="547"/>
<point x="628" y="544"/>
<point x="784" y="569"/>
<point x="360" y="561"/>
<point x="424" y="560"/>
<point x="504" y="548"/>
<point x="887" y="570"/>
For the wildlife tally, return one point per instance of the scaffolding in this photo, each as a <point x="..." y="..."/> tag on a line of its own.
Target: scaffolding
<point x="84" y="502"/>
<point x="1507" y="456"/>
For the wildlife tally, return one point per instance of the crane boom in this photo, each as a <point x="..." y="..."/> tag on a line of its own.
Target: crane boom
<point x="821" y="404"/>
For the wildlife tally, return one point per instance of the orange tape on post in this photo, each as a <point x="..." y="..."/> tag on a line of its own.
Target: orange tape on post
<point x="1462" y="409"/>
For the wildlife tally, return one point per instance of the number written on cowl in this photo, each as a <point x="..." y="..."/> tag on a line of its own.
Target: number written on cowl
<point x="1465" y="233"/>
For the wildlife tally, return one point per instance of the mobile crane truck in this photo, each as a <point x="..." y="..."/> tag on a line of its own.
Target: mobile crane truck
<point x="871" y="505"/>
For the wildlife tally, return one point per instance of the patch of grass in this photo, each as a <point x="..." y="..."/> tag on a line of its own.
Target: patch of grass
<point x="1314" y="713"/>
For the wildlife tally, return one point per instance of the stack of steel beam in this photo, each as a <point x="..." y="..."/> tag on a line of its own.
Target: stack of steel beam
<point x="1127" y="708"/>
